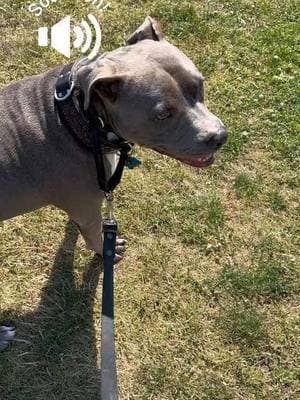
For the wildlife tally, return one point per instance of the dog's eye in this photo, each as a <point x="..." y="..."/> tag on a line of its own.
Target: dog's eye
<point x="162" y="115"/>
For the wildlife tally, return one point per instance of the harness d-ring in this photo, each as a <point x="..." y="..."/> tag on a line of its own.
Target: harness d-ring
<point x="64" y="95"/>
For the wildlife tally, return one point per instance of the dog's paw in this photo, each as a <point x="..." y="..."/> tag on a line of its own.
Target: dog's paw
<point x="120" y="250"/>
<point x="7" y="335"/>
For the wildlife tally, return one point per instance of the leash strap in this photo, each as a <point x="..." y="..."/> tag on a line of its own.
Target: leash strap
<point x="109" y="381"/>
<point x="91" y="132"/>
<point x="124" y="148"/>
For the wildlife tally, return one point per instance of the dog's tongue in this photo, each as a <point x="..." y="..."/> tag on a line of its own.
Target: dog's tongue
<point x="200" y="162"/>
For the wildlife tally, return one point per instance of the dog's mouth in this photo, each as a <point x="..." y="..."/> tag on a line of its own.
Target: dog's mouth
<point x="198" y="162"/>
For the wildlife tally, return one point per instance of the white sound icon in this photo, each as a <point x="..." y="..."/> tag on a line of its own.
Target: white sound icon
<point x="61" y="36"/>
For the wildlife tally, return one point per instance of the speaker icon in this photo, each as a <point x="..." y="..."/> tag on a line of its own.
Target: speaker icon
<point x="61" y="36"/>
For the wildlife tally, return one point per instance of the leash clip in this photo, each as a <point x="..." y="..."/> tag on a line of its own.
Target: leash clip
<point x="110" y="206"/>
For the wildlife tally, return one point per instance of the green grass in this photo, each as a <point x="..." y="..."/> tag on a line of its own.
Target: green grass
<point x="244" y="327"/>
<point x="207" y="299"/>
<point x="246" y="187"/>
<point x="277" y="201"/>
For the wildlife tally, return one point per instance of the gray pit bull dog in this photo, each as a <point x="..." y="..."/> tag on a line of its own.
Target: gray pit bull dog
<point x="152" y="95"/>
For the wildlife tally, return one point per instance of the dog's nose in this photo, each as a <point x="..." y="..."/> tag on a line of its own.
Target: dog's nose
<point x="217" y="139"/>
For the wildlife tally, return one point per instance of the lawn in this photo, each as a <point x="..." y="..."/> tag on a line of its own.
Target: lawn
<point x="207" y="299"/>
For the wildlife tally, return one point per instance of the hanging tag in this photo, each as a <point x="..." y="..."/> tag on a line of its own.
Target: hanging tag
<point x="133" y="162"/>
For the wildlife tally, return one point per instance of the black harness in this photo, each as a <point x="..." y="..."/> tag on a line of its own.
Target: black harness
<point x="91" y="131"/>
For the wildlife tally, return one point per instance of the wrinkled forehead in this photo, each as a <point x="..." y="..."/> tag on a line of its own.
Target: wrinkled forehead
<point x="155" y="67"/>
<point x="169" y="65"/>
<point x="149" y="84"/>
<point x="149" y="54"/>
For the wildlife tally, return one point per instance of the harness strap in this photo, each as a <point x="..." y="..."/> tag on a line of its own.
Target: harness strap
<point x="109" y="185"/>
<point x="89" y="131"/>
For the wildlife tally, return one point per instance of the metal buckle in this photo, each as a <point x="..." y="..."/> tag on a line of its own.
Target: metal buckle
<point x="61" y="96"/>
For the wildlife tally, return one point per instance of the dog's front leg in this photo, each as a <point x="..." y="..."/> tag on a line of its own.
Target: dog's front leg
<point x="89" y="221"/>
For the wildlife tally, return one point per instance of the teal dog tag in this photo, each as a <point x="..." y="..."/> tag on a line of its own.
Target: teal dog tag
<point x="132" y="163"/>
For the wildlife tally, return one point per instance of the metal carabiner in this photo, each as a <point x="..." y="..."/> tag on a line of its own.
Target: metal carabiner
<point x="110" y="206"/>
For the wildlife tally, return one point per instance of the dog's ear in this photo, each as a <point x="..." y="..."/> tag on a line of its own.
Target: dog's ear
<point x="150" y="29"/>
<point x="101" y="78"/>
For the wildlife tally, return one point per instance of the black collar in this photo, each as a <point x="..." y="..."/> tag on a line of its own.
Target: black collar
<point x="89" y="129"/>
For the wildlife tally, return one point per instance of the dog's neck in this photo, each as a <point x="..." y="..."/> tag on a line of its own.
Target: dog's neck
<point x="111" y="155"/>
<point x="92" y="130"/>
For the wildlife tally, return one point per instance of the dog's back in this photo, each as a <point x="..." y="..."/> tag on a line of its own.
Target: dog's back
<point x="27" y="118"/>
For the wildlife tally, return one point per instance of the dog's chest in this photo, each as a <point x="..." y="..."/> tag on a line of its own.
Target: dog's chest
<point x="111" y="160"/>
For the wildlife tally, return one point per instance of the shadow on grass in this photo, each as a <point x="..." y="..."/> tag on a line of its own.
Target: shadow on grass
<point x="56" y="356"/>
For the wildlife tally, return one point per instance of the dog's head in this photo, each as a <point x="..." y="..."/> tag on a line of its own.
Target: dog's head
<point x="154" y="96"/>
